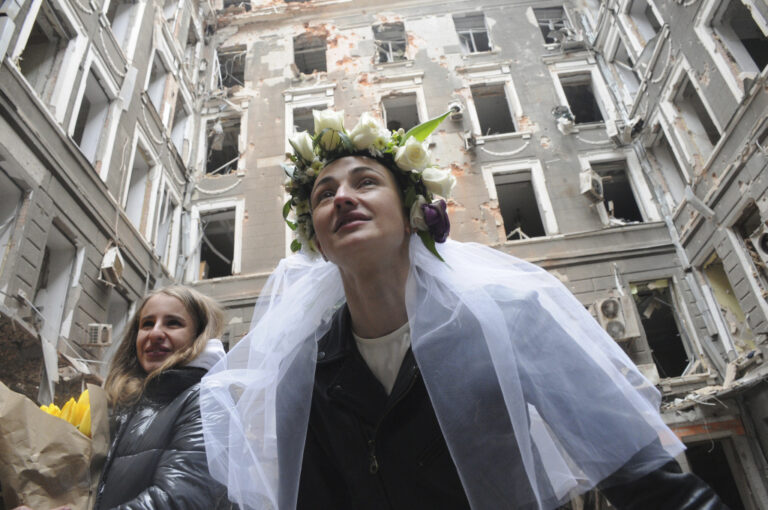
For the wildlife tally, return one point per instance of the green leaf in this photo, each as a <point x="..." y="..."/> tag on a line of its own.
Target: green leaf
<point x="291" y="224"/>
<point x="287" y="209"/>
<point x="346" y="142"/>
<point x="429" y="243"/>
<point x="423" y="130"/>
<point x="295" y="245"/>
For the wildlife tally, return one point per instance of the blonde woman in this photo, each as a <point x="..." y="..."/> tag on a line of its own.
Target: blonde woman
<point x="157" y="456"/>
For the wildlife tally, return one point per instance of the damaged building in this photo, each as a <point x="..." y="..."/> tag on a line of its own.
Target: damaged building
<point x="621" y="145"/>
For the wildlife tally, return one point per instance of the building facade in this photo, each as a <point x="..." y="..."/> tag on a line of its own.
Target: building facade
<point x="621" y="145"/>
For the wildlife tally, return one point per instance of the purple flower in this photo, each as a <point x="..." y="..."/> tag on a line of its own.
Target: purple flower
<point x="436" y="218"/>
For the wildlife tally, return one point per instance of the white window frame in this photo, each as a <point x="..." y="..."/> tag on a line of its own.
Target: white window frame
<point x="131" y="37"/>
<point x="159" y="51"/>
<point x="637" y="40"/>
<point x="186" y="102"/>
<point x="640" y="189"/>
<point x="69" y="68"/>
<point x="238" y="204"/>
<point x="535" y="168"/>
<point x="668" y="109"/>
<point x="394" y="91"/>
<point x="600" y="89"/>
<point x="105" y="145"/>
<point x="155" y="171"/>
<point x="472" y="32"/>
<point x="169" y="259"/>
<point x="705" y="32"/>
<point x="613" y="42"/>
<point x="202" y="159"/>
<point x="659" y="126"/>
<point x="321" y="96"/>
<point x="513" y="103"/>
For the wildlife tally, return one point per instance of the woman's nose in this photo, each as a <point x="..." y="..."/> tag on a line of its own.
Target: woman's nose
<point x="157" y="332"/>
<point x="344" y="197"/>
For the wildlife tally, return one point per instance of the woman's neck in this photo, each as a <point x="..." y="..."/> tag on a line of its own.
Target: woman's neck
<point x="376" y="296"/>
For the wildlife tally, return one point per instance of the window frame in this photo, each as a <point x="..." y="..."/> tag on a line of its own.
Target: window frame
<point x="472" y="32"/>
<point x="238" y="204"/>
<point x="600" y="89"/>
<point x="153" y="172"/>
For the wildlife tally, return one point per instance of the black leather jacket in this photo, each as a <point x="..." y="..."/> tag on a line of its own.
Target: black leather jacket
<point x="157" y="457"/>
<point x="367" y="450"/>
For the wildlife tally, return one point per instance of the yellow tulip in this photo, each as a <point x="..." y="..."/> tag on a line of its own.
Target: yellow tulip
<point x="68" y="409"/>
<point x="79" y="410"/>
<point x="85" y="424"/>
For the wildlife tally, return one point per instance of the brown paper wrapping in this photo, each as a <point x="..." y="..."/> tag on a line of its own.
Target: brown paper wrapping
<point x="45" y="462"/>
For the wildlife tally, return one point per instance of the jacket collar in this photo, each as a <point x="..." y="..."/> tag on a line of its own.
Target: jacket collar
<point x="170" y="383"/>
<point x="343" y="375"/>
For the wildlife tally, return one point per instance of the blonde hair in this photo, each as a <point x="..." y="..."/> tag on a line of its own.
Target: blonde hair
<point x="127" y="380"/>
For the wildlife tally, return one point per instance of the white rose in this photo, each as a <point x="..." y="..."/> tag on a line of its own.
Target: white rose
<point x="302" y="143"/>
<point x="367" y="131"/>
<point x="438" y="182"/>
<point x="417" y="215"/>
<point x="412" y="156"/>
<point x="329" y="119"/>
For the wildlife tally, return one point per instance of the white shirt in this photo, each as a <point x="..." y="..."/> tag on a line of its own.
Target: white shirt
<point x="385" y="354"/>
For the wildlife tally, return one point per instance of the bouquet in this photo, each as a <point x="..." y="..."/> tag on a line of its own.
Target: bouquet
<point x="47" y="462"/>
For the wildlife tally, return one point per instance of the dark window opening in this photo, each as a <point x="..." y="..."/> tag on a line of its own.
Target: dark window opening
<point x="400" y="112"/>
<point x="492" y="110"/>
<point x="580" y="94"/>
<point x="750" y="228"/>
<point x="518" y="206"/>
<point x="659" y="319"/>
<point x="304" y="120"/>
<point x="618" y="196"/>
<point x="190" y="49"/>
<point x="390" y="42"/>
<point x="473" y="34"/>
<point x="44" y="52"/>
<point x="669" y="167"/>
<point x="738" y="28"/>
<point x="91" y="117"/>
<point x="709" y="461"/>
<point x="309" y="53"/>
<point x="218" y="246"/>
<point x="232" y="67"/>
<point x="223" y="147"/>
<point x="245" y="4"/>
<point x="551" y="20"/>
<point x="689" y="102"/>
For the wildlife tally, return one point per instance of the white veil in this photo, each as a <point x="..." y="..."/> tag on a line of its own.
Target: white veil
<point x="536" y="402"/>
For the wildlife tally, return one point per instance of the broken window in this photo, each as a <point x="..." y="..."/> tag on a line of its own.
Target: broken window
<point x="658" y="314"/>
<point x="223" y="146"/>
<point x="190" y="49"/>
<point x="45" y="51"/>
<point x="669" y="167"/>
<point x="156" y="84"/>
<point x="518" y="206"/>
<point x="625" y="66"/>
<point x="218" y="244"/>
<point x="400" y="111"/>
<point x="236" y="3"/>
<point x="94" y="108"/>
<point x="618" y="196"/>
<point x="11" y="199"/>
<point x="492" y="109"/>
<point x="121" y="15"/>
<point x="754" y="236"/>
<point x="166" y="231"/>
<point x="645" y="20"/>
<point x="473" y="34"/>
<point x="390" y="42"/>
<point x="713" y="461"/>
<point x="697" y="120"/>
<point x="232" y="66"/>
<point x="139" y="188"/>
<point x="728" y="301"/>
<point x="745" y="40"/>
<point x="181" y="117"/>
<point x="309" y="53"/>
<point x="580" y="93"/>
<point x="53" y="282"/>
<point x="304" y="120"/>
<point x="552" y="23"/>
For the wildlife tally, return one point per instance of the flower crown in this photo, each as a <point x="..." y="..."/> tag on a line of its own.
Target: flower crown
<point x="404" y="153"/>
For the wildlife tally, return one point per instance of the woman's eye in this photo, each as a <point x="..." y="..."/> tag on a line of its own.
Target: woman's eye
<point x="146" y="324"/>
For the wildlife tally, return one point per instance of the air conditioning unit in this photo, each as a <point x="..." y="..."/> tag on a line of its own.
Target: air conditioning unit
<point x="112" y="266"/>
<point x="760" y="242"/>
<point x="591" y="185"/>
<point x="617" y="317"/>
<point x="99" y="334"/>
